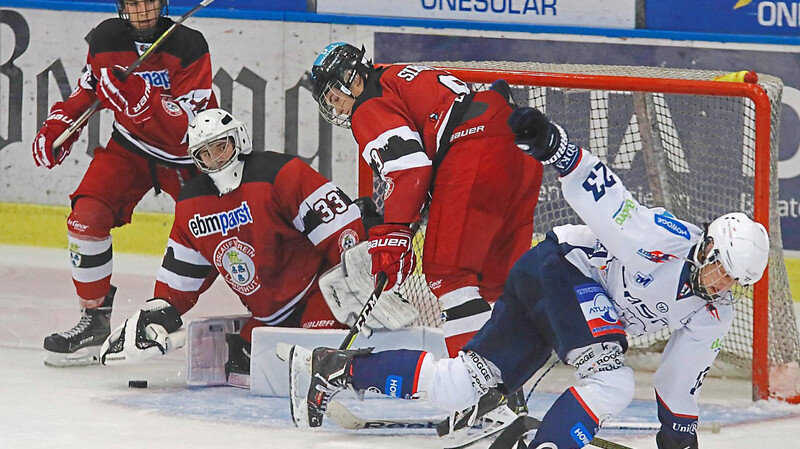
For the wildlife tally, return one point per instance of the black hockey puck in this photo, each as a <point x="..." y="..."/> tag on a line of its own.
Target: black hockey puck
<point x="137" y="383"/>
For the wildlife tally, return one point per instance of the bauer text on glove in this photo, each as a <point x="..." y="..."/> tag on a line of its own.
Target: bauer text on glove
<point x="392" y="253"/>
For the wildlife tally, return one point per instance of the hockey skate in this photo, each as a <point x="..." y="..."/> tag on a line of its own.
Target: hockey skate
<point x="237" y="368"/>
<point x="330" y="373"/>
<point x="80" y="345"/>
<point x="494" y="412"/>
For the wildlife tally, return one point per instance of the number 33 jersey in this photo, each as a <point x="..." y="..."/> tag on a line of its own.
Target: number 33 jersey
<point x="269" y="239"/>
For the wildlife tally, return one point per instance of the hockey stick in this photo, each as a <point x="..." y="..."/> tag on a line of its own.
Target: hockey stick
<point x="88" y="112"/>
<point x="345" y="419"/>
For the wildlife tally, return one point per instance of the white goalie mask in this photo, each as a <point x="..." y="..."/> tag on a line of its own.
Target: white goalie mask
<point x="216" y="142"/>
<point x="741" y="246"/>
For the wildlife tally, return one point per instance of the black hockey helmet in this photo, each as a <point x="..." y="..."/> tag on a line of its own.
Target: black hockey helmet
<point x="144" y="34"/>
<point x="336" y="67"/>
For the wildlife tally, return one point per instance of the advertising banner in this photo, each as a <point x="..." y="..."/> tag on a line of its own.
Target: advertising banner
<point x="725" y="16"/>
<point x="597" y="13"/>
<point x="391" y="47"/>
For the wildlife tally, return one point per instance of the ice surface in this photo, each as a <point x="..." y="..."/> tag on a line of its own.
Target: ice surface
<point x="92" y="407"/>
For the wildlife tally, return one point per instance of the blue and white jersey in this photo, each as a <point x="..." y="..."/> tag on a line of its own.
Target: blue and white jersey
<point x="640" y="255"/>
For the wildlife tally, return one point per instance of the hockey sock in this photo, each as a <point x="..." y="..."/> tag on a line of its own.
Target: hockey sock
<point x="89" y="238"/>
<point x="393" y="373"/>
<point x="466" y="313"/>
<point x="679" y="428"/>
<point x="568" y="423"/>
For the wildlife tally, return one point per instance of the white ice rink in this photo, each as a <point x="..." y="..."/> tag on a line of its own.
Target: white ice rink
<point x="92" y="407"/>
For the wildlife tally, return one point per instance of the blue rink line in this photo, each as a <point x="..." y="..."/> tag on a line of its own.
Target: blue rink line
<point x="238" y="406"/>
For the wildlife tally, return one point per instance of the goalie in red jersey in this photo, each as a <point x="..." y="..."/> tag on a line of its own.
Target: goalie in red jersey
<point x="425" y="132"/>
<point x="267" y="223"/>
<point x="147" y="150"/>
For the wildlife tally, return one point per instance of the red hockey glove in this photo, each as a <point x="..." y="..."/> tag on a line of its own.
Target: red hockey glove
<point x="55" y="124"/>
<point x="130" y="97"/>
<point x="390" y="247"/>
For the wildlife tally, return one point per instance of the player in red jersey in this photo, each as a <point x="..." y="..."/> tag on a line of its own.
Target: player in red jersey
<point x="147" y="150"/>
<point x="406" y="119"/>
<point x="266" y="222"/>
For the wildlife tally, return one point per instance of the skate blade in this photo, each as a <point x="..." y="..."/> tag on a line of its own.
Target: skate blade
<point x="487" y="425"/>
<point x="82" y="357"/>
<point x="299" y="362"/>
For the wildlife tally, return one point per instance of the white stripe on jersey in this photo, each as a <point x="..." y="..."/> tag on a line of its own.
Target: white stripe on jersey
<point x="151" y="150"/>
<point x="285" y="311"/>
<point x="325" y="229"/>
<point x="178" y="282"/>
<point x="413" y="160"/>
<point x="185" y="254"/>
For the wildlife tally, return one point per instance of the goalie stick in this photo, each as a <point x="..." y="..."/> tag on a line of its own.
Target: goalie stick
<point x="88" y="112"/>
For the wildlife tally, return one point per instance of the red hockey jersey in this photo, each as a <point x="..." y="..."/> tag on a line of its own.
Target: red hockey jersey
<point x="270" y="239"/>
<point x="397" y="122"/>
<point x="179" y="73"/>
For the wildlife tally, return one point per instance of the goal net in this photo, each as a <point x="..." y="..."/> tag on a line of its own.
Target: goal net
<point x="698" y="147"/>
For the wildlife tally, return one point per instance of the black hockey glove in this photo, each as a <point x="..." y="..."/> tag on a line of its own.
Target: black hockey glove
<point x="537" y="136"/>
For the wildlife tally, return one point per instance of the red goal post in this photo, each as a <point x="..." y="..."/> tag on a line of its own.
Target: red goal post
<point x="677" y="118"/>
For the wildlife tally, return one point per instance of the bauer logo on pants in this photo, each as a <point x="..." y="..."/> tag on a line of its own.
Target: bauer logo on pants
<point x="600" y="314"/>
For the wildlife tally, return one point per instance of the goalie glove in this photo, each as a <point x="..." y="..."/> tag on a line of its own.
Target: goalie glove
<point x="148" y="333"/>
<point x="537" y="136"/>
<point x="347" y="286"/>
<point x="392" y="253"/>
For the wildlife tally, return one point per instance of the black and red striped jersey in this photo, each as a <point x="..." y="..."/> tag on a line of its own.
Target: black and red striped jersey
<point x="179" y="73"/>
<point x="270" y="239"/>
<point x="397" y="122"/>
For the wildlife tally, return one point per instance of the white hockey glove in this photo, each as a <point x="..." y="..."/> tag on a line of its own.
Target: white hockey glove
<point x="347" y="286"/>
<point x="148" y="333"/>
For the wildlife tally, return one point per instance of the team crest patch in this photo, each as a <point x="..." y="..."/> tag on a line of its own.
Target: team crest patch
<point x="347" y="239"/>
<point x="234" y="261"/>
<point x="600" y="314"/>
<point x="171" y="107"/>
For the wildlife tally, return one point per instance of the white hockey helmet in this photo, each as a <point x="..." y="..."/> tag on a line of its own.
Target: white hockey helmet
<point x="211" y="126"/>
<point x="741" y="246"/>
